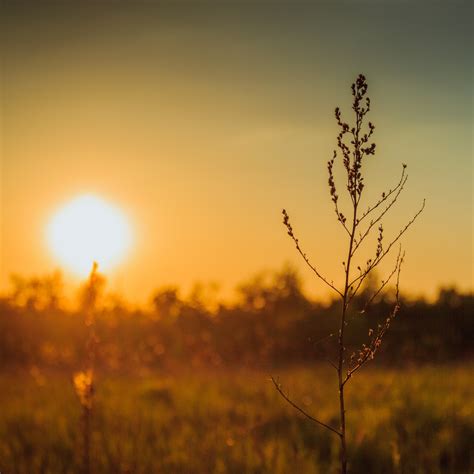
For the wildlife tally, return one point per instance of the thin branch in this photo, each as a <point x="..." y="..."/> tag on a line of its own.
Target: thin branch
<point x="303" y="412"/>
<point x="325" y="338"/>
<point x="384" y="282"/>
<point x="377" y="260"/>
<point x="331" y="363"/>
<point x="379" y="218"/>
<point x="326" y="359"/>
<point x="286" y="221"/>
<point x="341" y="218"/>
<point x="368" y="352"/>
<point x="332" y="189"/>
<point x="385" y="196"/>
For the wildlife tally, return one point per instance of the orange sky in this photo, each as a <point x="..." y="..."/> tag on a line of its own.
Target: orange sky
<point x="202" y="124"/>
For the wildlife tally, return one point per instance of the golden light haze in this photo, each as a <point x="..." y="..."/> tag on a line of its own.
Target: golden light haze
<point x="200" y="128"/>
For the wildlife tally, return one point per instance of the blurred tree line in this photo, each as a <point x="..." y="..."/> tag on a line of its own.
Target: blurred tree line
<point x="271" y="323"/>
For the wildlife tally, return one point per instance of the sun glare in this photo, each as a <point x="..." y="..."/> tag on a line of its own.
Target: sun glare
<point x="88" y="229"/>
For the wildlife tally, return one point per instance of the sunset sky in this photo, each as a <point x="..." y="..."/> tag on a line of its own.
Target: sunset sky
<point x="201" y="121"/>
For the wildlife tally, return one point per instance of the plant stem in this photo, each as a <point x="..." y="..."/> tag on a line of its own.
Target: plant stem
<point x="86" y="432"/>
<point x="340" y="367"/>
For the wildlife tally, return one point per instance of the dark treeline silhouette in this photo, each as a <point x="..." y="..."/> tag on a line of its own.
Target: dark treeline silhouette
<point x="272" y="323"/>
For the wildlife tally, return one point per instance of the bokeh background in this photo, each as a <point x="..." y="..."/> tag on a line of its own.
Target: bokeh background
<point x="200" y="121"/>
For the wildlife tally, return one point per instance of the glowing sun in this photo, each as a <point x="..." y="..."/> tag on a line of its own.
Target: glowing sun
<point x="88" y="229"/>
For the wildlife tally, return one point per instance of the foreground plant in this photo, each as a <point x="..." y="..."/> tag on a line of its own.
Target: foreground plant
<point x="353" y="145"/>
<point x="84" y="379"/>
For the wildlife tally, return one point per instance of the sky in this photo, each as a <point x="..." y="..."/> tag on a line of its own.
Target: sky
<point x="201" y="121"/>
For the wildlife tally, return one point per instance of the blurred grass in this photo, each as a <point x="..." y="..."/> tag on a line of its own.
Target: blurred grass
<point x="418" y="420"/>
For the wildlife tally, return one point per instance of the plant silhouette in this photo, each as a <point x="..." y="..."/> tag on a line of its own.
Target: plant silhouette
<point x="353" y="147"/>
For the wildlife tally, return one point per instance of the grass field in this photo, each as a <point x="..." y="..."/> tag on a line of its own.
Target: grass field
<point x="400" y="421"/>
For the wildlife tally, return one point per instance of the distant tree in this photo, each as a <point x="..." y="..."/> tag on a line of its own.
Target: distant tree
<point x="353" y="143"/>
<point x="37" y="293"/>
<point x="167" y="303"/>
